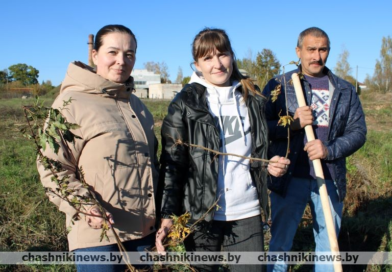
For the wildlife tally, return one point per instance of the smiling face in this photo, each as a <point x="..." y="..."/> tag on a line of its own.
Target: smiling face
<point x="216" y="68"/>
<point x="313" y="54"/>
<point x="116" y="56"/>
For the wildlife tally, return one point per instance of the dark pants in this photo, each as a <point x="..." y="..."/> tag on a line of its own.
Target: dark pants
<point x="138" y="245"/>
<point x="241" y="235"/>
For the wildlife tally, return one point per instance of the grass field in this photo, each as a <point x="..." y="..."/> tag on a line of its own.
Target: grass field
<point x="29" y="222"/>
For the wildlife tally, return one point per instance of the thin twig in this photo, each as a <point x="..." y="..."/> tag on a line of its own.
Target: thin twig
<point x="180" y="142"/>
<point x="95" y="201"/>
<point x="287" y="114"/>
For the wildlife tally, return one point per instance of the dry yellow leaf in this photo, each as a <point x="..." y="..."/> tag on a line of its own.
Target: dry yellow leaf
<point x="179" y="230"/>
<point x="276" y="92"/>
<point x="285" y="120"/>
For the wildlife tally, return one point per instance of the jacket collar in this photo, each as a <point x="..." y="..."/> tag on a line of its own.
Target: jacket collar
<point x="195" y="96"/>
<point x="84" y="78"/>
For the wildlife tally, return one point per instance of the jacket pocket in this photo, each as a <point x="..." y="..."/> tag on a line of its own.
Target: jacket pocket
<point x="200" y="135"/>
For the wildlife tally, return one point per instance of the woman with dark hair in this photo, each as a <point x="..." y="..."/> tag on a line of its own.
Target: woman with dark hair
<point x="117" y="150"/>
<point x="221" y="110"/>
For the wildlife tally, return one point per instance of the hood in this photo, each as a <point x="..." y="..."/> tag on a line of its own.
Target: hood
<point x="81" y="77"/>
<point x="217" y="94"/>
<point x="217" y="97"/>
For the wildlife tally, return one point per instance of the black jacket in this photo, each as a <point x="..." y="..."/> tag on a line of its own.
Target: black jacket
<point x="191" y="174"/>
<point x="346" y="130"/>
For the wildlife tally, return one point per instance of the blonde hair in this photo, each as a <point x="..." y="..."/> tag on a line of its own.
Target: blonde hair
<point x="210" y="39"/>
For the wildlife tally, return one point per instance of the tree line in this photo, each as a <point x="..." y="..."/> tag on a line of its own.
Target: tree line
<point x="264" y="67"/>
<point x="261" y="67"/>
<point x="381" y="80"/>
<point x="382" y="77"/>
<point x="23" y="78"/>
<point x="25" y="74"/>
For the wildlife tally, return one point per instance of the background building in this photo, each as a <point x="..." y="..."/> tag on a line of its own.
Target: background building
<point x="143" y="79"/>
<point x="147" y="84"/>
<point x="164" y="91"/>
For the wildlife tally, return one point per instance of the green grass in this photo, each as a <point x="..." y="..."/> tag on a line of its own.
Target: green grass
<point x="377" y="152"/>
<point x="158" y="108"/>
<point x="28" y="221"/>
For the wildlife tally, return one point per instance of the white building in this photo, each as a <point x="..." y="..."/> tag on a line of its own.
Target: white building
<point x="362" y="86"/>
<point x="143" y="79"/>
<point x="164" y="91"/>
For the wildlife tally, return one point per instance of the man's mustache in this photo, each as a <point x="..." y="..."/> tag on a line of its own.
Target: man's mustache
<point x="320" y="62"/>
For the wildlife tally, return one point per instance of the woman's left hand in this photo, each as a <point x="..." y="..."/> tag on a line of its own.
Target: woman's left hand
<point x="166" y="224"/>
<point x="95" y="220"/>
<point x="278" y="166"/>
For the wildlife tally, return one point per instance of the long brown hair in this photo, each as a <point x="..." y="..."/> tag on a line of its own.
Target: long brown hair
<point x="210" y="39"/>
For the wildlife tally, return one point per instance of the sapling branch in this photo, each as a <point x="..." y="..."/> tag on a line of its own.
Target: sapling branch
<point x="180" y="142"/>
<point x="285" y="120"/>
<point x="48" y="127"/>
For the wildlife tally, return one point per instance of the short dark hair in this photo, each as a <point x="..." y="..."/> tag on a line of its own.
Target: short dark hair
<point x="314" y="31"/>
<point x="109" y="29"/>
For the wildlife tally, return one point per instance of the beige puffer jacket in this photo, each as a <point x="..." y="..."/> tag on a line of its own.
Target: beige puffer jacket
<point x="116" y="153"/>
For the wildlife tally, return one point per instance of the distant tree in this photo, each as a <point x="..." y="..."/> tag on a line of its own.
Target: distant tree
<point x="179" y="75"/>
<point x="24" y="73"/>
<point x="263" y="68"/>
<point x="16" y="85"/>
<point x="368" y="81"/>
<point x="158" y="68"/>
<point x="267" y="66"/>
<point x="343" y="68"/>
<point x="164" y="72"/>
<point x="185" y="80"/>
<point x="44" y="88"/>
<point x="4" y="76"/>
<point x="151" y="66"/>
<point x="47" y="83"/>
<point x="353" y="81"/>
<point x="248" y="64"/>
<point x="383" y="69"/>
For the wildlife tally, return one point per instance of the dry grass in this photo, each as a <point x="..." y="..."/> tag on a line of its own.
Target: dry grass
<point x="28" y="221"/>
<point x="366" y="224"/>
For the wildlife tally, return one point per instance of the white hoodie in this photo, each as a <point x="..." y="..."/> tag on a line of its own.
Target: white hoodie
<point x="238" y="195"/>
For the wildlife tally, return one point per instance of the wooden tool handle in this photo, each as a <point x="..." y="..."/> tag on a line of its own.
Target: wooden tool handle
<point x="320" y="178"/>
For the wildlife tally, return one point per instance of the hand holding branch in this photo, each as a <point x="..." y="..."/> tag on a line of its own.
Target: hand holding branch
<point x="95" y="219"/>
<point x="278" y="166"/>
<point x="161" y="234"/>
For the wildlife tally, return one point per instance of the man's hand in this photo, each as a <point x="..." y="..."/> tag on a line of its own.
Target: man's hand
<point x="303" y="116"/>
<point x="316" y="150"/>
